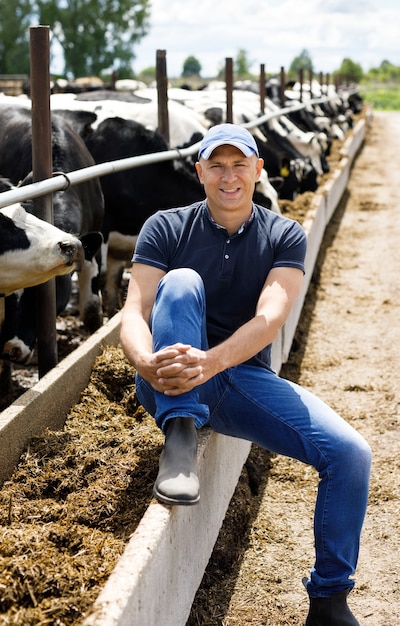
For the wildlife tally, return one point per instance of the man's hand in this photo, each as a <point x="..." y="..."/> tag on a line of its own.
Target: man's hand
<point x="175" y="369"/>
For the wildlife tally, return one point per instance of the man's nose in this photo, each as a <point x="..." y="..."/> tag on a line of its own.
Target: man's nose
<point x="228" y="173"/>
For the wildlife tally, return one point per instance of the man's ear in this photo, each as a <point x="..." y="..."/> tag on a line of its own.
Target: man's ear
<point x="199" y="171"/>
<point x="259" y="168"/>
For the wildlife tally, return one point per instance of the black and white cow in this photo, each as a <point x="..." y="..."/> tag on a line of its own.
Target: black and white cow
<point x="78" y="211"/>
<point x="130" y="196"/>
<point x="31" y="252"/>
<point x="116" y="134"/>
<point x="294" y="157"/>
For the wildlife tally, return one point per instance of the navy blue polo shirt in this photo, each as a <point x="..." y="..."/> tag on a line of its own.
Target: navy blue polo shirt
<point x="233" y="267"/>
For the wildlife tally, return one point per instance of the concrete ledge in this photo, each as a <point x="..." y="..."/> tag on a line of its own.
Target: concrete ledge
<point x="161" y="569"/>
<point x="157" y="577"/>
<point x="336" y="187"/>
<point x="354" y="141"/>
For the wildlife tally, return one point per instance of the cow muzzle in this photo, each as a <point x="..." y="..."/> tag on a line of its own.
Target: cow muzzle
<point x="72" y="253"/>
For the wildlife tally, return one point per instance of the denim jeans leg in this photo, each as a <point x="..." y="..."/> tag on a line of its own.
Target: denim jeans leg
<point x="178" y="315"/>
<point x="256" y="404"/>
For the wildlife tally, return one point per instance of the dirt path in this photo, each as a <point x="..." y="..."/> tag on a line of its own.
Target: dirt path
<point x="348" y="354"/>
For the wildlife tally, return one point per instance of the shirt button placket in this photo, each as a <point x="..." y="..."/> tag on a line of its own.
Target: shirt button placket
<point x="228" y="241"/>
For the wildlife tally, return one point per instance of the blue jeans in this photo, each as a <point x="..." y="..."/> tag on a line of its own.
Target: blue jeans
<point x="255" y="404"/>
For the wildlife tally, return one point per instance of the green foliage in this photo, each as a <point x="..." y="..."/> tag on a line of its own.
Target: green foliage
<point x="386" y="72"/>
<point x="242" y="64"/>
<point x="148" y="74"/>
<point x="349" y="71"/>
<point x="16" y="17"/>
<point x="96" y="35"/>
<point x="381" y="86"/>
<point x="191" y="67"/>
<point x="303" y="61"/>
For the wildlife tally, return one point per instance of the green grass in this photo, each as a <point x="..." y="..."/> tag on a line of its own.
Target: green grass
<point x="383" y="96"/>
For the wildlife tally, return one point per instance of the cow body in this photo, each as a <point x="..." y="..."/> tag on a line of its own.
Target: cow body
<point x="31" y="252"/>
<point x="131" y="196"/>
<point x="78" y="211"/>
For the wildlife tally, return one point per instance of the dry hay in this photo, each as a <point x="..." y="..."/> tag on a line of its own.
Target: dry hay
<point x="298" y="208"/>
<point x="74" y="500"/>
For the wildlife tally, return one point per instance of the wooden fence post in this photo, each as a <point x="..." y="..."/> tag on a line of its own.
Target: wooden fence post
<point x="162" y="94"/>
<point x="262" y="88"/>
<point x="229" y="89"/>
<point x="42" y="168"/>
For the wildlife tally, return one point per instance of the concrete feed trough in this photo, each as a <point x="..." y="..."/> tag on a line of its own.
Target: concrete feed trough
<point x="140" y="589"/>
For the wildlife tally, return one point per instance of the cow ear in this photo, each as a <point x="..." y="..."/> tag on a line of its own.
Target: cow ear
<point x="91" y="243"/>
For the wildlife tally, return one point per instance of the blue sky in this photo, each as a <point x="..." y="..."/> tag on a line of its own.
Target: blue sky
<point x="273" y="33"/>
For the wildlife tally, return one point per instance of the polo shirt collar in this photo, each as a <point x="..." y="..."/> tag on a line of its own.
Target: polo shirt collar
<point x="242" y="228"/>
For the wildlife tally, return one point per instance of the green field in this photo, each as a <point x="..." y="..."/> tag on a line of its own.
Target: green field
<point x="383" y="96"/>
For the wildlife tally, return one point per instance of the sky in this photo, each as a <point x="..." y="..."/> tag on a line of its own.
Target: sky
<point x="271" y="33"/>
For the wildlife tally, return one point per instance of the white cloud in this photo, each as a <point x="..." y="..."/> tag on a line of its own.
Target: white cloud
<point x="367" y="31"/>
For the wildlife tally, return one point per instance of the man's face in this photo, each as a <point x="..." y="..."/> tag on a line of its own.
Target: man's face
<point x="229" y="177"/>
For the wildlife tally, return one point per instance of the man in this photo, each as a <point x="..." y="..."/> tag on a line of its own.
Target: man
<point x="211" y="285"/>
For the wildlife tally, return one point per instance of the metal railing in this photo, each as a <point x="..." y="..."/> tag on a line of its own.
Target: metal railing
<point x="61" y="181"/>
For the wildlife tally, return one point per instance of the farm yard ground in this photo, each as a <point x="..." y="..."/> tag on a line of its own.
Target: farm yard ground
<point x="77" y="495"/>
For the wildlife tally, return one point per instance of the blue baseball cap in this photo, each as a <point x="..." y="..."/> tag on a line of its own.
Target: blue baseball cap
<point x="230" y="134"/>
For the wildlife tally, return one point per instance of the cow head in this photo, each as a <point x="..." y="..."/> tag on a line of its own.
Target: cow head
<point x="32" y="251"/>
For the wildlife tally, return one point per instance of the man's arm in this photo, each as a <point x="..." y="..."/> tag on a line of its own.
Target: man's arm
<point x="277" y="297"/>
<point x="135" y="333"/>
<point x="136" y="338"/>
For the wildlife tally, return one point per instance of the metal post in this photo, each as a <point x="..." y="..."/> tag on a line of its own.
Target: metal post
<point x="42" y="168"/>
<point x="301" y="81"/>
<point x="162" y="94"/>
<point x="282" y="88"/>
<point x="310" y="78"/>
<point x="262" y="88"/>
<point x="229" y="89"/>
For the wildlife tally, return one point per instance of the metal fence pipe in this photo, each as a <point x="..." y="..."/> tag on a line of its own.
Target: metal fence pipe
<point x="62" y="181"/>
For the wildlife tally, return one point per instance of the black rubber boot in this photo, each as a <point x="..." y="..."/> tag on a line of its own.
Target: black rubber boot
<point x="177" y="481"/>
<point x="332" y="611"/>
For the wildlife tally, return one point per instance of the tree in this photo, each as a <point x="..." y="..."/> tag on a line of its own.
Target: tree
<point x="148" y="74"/>
<point x="16" y="17"/>
<point x="191" y="67"/>
<point x="389" y="71"/>
<point x="242" y="64"/>
<point x="303" y="61"/>
<point x="96" y="35"/>
<point x="350" y="71"/>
